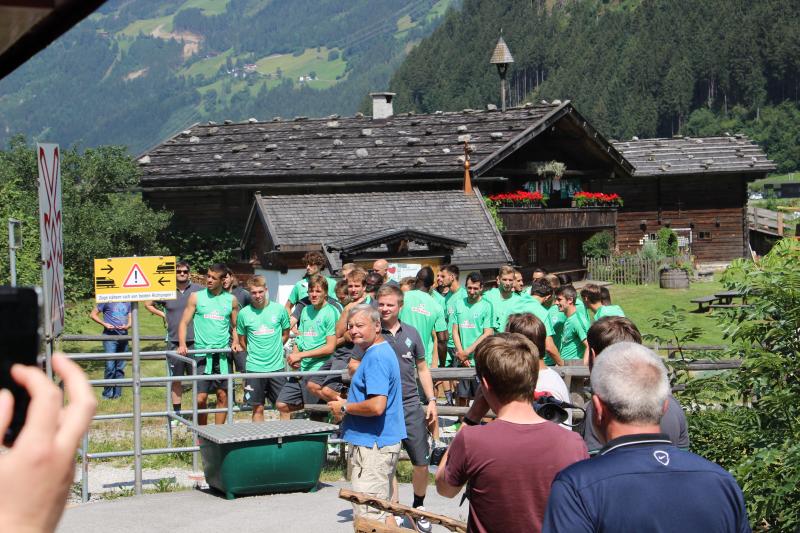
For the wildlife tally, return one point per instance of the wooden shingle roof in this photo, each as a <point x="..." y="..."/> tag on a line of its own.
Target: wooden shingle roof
<point x="281" y="151"/>
<point x="294" y="221"/>
<point x="685" y="155"/>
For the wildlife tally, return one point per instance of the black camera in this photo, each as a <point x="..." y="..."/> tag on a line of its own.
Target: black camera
<point x="20" y="337"/>
<point x="436" y="455"/>
<point x="552" y="409"/>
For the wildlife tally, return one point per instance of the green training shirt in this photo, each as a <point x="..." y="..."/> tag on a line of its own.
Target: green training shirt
<point x="421" y="311"/>
<point x="263" y="329"/>
<point x="572" y="338"/>
<point x="608" y="310"/>
<point x="500" y="307"/>
<point x="449" y="300"/>
<point x="315" y="325"/>
<point x="212" y="326"/>
<point x="471" y="320"/>
<point x="300" y="289"/>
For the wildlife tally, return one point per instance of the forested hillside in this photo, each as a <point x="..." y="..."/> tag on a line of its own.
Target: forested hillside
<point x="137" y="71"/>
<point x="633" y="67"/>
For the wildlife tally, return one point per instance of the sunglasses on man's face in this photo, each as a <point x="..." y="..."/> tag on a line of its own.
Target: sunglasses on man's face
<point x="182" y="271"/>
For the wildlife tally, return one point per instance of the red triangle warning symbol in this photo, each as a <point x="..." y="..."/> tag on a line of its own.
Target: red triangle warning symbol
<point x="136" y="278"/>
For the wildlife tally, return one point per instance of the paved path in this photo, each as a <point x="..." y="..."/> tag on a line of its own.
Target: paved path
<point x="200" y="510"/>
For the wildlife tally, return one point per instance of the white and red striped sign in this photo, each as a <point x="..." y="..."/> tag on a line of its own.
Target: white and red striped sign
<point x="48" y="157"/>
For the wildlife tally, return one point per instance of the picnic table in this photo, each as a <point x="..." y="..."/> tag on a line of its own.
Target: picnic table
<point x="719" y="300"/>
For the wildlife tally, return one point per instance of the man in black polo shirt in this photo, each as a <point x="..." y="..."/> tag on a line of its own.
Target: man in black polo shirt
<point x="640" y="481"/>
<point x="171" y="314"/>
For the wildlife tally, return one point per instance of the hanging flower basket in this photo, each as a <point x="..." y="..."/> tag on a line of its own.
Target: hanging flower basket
<point x="519" y="199"/>
<point x="596" y="199"/>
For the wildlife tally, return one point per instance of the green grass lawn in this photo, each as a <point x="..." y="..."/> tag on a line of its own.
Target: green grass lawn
<point x="147" y="26"/>
<point x="642" y="302"/>
<point x="209" y="7"/>
<point x="207" y="67"/>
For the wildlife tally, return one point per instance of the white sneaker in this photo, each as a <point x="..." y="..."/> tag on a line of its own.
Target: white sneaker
<point x="422" y="523"/>
<point x="399" y="520"/>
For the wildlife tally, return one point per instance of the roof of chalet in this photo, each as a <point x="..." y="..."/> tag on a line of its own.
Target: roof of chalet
<point x="336" y="219"/>
<point x="688" y="155"/>
<point x="424" y="146"/>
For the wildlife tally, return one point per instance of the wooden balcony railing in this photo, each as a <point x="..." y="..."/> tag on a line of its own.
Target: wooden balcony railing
<point x="526" y="220"/>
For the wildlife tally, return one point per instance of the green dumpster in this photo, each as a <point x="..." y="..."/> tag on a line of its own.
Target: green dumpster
<point x="264" y="457"/>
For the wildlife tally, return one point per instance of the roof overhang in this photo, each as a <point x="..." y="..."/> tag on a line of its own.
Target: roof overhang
<point x="389" y="236"/>
<point x="28" y="26"/>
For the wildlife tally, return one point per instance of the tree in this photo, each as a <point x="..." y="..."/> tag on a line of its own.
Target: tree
<point x="100" y="219"/>
<point x="747" y="419"/>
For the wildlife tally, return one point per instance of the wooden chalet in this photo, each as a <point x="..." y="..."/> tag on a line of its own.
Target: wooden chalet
<point x="695" y="186"/>
<point x="209" y="174"/>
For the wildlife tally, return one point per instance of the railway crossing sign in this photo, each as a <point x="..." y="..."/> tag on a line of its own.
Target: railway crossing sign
<point x="134" y="279"/>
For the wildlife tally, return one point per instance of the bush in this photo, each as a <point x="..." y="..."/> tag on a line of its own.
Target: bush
<point x="599" y="245"/>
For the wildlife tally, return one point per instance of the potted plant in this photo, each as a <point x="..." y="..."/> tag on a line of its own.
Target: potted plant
<point x="519" y="198"/>
<point x="596" y="199"/>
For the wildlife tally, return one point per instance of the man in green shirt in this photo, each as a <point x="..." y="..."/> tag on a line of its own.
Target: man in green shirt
<point x="574" y="348"/>
<point x="534" y="303"/>
<point x="502" y="297"/>
<point x="451" y="290"/>
<point x="428" y="317"/>
<point x="598" y="300"/>
<point x="472" y="322"/>
<point x="314" y="262"/>
<point x="263" y="328"/>
<point x="213" y="313"/>
<point x="315" y="343"/>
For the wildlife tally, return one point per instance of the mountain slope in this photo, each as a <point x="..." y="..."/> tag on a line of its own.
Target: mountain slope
<point x="139" y="70"/>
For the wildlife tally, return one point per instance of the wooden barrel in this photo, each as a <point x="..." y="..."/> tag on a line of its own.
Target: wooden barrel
<point x="674" y="278"/>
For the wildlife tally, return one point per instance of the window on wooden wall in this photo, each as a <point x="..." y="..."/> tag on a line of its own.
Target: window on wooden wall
<point x="562" y="249"/>
<point x="704" y="236"/>
<point x="532" y="258"/>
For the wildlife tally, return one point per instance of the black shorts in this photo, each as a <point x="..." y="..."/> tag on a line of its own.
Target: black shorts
<point x="258" y="390"/>
<point x="294" y="392"/>
<point x="176" y="366"/>
<point x="416" y="443"/>
<point x="468" y="388"/>
<point x="238" y="361"/>
<point x="209" y="385"/>
<point x="333" y="382"/>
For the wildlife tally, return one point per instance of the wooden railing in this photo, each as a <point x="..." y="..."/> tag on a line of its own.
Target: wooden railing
<point x="765" y="221"/>
<point x="526" y="219"/>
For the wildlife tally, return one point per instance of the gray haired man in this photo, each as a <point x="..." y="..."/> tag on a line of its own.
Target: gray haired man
<point x="640" y="481"/>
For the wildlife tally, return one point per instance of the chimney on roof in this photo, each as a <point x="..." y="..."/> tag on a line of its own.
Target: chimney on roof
<point x="382" y="105"/>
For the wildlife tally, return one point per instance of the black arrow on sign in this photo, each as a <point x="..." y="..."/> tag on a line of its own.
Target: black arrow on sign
<point x="108" y="269"/>
<point x="162" y="281"/>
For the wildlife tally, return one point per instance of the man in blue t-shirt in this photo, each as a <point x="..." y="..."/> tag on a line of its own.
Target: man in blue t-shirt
<point x="640" y="481"/>
<point x="115" y="317"/>
<point x="373" y="424"/>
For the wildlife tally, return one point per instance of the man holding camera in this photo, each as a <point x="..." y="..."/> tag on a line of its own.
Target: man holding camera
<point x="510" y="463"/>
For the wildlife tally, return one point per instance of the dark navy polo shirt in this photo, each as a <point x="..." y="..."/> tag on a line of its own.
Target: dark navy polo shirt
<point x="645" y="483"/>
<point x="409" y="349"/>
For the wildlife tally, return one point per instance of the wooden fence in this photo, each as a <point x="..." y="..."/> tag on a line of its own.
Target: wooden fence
<point x="765" y="221"/>
<point x="625" y="270"/>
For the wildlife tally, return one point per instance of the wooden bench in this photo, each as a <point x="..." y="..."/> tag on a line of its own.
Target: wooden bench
<point x="704" y="300"/>
<point x="727" y="306"/>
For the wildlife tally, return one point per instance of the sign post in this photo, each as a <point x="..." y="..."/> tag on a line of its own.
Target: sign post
<point x="135" y="279"/>
<point x="14" y="244"/>
<point x="49" y="163"/>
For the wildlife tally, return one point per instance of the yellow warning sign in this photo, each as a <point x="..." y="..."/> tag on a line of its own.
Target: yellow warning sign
<point x="133" y="279"/>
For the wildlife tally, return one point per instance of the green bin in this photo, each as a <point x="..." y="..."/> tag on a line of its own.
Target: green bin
<point x="264" y="457"/>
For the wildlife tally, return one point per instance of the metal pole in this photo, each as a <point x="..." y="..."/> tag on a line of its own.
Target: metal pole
<point x="12" y="251"/>
<point x="168" y="388"/>
<point x="137" y="402"/>
<point x="85" y="468"/>
<point x="230" y="400"/>
<point x="195" y="458"/>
